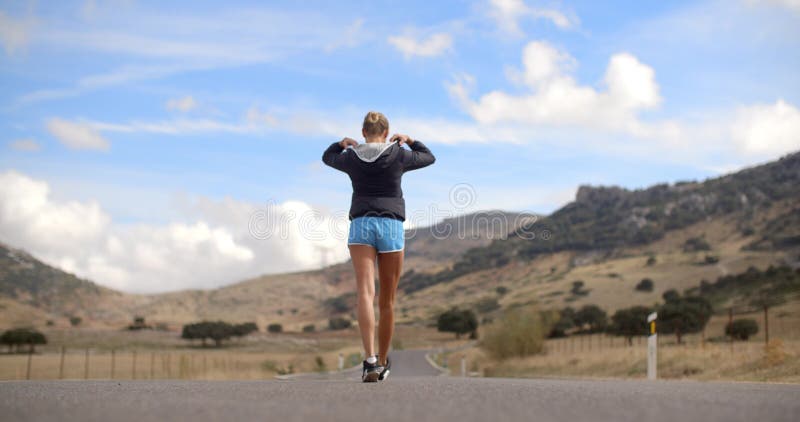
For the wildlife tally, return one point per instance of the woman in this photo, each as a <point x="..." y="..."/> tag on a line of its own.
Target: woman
<point x="377" y="212"/>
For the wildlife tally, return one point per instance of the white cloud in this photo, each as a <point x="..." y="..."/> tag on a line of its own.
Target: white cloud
<point x="351" y="36"/>
<point x="410" y="45"/>
<point x="214" y="242"/>
<point x="76" y="135"/>
<point x="116" y="77"/>
<point x="14" y="34"/>
<point x="25" y="145"/>
<point x="793" y="5"/>
<point x="508" y="13"/>
<point x="183" y="104"/>
<point x="555" y="98"/>
<point x="174" y="44"/>
<point x="30" y="218"/>
<point x="767" y="130"/>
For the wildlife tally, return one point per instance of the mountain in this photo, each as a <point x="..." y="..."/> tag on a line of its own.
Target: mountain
<point x="602" y="219"/>
<point x="608" y="239"/>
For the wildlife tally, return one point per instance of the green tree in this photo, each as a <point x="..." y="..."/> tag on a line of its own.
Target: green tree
<point x="683" y="315"/>
<point x="577" y="288"/>
<point x="138" y="324"/>
<point x="458" y="321"/>
<point x="741" y="329"/>
<point x="565" y="322"/>
<point x="217" y="331"/>
<point x="244" y="329"/>
<point x="339" y="323"/>
<point x="630" y="322"/>
<point x="17" y="337"/>
<point x="646" y="285"/>
<point x="592" y="316"/>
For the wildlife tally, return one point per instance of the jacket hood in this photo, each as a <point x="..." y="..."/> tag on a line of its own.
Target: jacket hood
<point x="369" y="152"/>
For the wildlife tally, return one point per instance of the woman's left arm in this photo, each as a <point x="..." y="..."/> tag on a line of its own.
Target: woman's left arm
<point x="419" y="156"/>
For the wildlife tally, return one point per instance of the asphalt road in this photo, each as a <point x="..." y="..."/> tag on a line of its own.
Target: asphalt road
<point x="407" y="396"/>
<point x="405" y="363"/>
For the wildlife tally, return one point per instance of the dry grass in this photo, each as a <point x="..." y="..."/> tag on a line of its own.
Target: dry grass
<point x="601" y="356"/>
<point x="163" y="355"/>
<point x="744" y="362"/>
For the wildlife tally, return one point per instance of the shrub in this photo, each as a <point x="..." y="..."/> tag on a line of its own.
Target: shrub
<point x="138" y="324"/>
<point x="275" y="328"/>
<point x="741" y="329"/>
<point x="519" y="332"/>
<point x="577" y="288"/>
<point x="310" y="328"/>
<point x="486" y="305"/>
<point x="711" y="259"/>
<point x="320" y="364"/>
<point x="75" y="321"/>
<point x="457" y="321"/>
<point x="651" y="261"/>
<point x="340" y="304"/>
<point x="339" y="323"/>
<point x="501" y="290"/>
<point x="646" y="285"/>
<point x="695" y="244"/>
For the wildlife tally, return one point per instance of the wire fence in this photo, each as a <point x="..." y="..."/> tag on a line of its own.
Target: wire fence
<point x="773" y="322"/>
<point x="136" y="364"/>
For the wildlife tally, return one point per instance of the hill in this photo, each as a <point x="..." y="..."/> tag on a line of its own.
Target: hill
<point x="608" y="239"/>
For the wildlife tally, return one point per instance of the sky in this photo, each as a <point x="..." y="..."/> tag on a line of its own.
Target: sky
<point x="159" y="146"/>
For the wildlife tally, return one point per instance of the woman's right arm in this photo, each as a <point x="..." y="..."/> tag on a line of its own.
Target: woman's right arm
<point x="333" y="155"/>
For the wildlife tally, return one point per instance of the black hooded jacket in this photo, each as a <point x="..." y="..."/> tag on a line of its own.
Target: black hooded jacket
<point x="375" y="171"/>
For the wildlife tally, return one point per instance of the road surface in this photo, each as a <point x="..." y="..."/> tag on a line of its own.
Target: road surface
<point x="412" y="393"/>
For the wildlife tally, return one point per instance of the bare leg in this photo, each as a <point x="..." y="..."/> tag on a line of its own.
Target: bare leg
<point x="363" y="257"/>
<point x="390" y="265"/>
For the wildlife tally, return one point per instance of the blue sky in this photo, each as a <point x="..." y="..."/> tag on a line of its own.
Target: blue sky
<point x="139" y="138"/>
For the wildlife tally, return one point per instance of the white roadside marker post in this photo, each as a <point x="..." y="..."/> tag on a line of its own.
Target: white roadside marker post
<point x="652" y="343"/>
<point x="341" y="362"/>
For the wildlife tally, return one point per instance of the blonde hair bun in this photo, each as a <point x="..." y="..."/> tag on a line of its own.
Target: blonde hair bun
<point x="375" y="123"/>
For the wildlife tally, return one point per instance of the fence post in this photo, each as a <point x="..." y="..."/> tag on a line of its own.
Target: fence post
<point x="113" y="362"/>
<point x="730" y="322"/>
<point x="152" y="361"/>
<point x="133" y="365"/>
<point x="61" y="364"/>
<point x="86" y="365"/>
<point x="766" y="325"/>
<point x="463" y="365"/>
<point x="28" y="370"/>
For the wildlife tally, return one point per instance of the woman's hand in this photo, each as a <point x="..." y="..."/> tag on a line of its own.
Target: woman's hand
<point x="344" y="143"/>
<point x="402" y="139"/>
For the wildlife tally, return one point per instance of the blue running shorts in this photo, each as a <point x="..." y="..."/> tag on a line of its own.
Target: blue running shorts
<point x="385" y="234"/>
